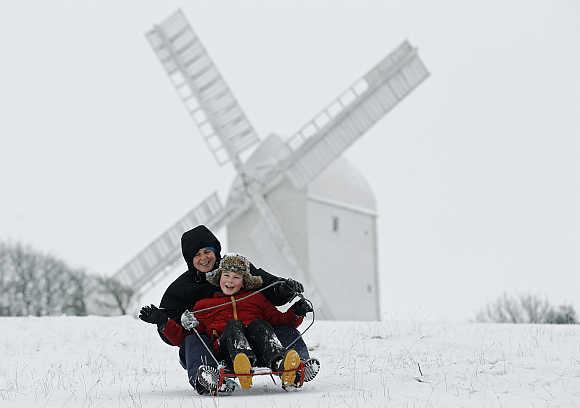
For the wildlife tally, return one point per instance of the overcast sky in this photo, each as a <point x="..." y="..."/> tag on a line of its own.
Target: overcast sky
<point x="475" y="173"/>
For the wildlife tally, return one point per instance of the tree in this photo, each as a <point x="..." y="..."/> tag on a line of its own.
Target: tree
<point x="526" y="308"/>
<point x="113" y="295"/>
<point x="33" y="283"/>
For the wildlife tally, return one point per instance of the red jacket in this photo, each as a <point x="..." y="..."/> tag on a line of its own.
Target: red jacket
<point x="212" y="322"/>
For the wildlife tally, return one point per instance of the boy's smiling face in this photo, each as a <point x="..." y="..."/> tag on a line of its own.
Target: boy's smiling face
<point x="231" y="282"/>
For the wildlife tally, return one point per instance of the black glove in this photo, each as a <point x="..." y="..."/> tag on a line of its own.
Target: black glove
<point x="301" y="307"/>
<point x="289" y="288"/>
<point x="151" y="314"/>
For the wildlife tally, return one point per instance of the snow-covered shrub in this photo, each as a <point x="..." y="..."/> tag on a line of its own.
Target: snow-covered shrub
<point x="565" y="314"/>
<point x="526" y="308"/>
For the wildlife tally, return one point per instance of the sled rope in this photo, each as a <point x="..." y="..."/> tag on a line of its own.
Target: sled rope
<point x="246" y="297"/>
<point x="206" y="347"/>
<point x="306" y="329"/>
<point x="240" y="299"/>
<point x="225" y="304"/>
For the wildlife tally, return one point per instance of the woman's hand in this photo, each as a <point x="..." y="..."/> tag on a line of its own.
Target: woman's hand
<point x="151" y="314"/>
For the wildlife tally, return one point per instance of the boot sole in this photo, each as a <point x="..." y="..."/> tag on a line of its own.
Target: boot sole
<point x="242" y="365"/>
<point x="291" y="363"/>
<point x="311" y="369"/>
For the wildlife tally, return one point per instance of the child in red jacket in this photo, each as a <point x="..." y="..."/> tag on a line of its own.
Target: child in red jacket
<point x="240" y="323"/>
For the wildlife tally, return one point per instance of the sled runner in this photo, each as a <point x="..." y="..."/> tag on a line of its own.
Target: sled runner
<point x="225" y="373"/>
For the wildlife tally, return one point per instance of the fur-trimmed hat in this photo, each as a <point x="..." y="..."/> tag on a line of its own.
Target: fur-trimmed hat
<point x="238" y="264"/>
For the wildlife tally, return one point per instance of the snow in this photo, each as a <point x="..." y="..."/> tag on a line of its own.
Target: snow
<point x="119" y="361"/>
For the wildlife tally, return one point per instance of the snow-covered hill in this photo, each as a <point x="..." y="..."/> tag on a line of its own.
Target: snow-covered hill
<point x="120" y="362"/>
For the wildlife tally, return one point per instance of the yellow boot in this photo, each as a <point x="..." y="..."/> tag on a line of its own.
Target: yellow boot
<point x="290" y="364"/>
<point x="242" y="366"/>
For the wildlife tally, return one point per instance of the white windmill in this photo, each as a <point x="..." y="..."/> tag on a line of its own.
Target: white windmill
<point x="296" y="207"/>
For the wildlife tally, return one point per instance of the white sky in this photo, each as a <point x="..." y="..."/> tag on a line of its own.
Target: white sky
<point x="475" y="173"/>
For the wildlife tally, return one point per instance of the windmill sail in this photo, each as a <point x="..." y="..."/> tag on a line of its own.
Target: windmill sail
<point x="207" y="97"/>
<point x="332" y="131"/>
<point x="160" y="255"/>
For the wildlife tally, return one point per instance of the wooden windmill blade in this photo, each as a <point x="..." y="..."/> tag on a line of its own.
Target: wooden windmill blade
<point x="207" y="97"/>
<point x="164" y="252"/>
<point x="342" y="122"/>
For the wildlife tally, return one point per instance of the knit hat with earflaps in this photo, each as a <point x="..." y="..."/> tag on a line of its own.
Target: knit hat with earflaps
<point x="238" y="264"/>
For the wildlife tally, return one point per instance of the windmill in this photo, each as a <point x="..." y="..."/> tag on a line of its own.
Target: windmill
<point x="269" y="206"/>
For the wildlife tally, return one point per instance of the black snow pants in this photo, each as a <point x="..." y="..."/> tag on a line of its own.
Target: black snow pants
<point x="258" y="341"/>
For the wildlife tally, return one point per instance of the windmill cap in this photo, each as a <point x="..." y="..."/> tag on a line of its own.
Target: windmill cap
<point x="237" y="264"/>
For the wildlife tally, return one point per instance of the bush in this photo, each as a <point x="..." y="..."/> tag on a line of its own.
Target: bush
<point x="565" y="314"/>
<point x="526" y="309"/>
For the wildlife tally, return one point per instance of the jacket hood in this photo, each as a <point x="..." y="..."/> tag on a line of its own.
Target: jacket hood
<point x="195" y="239"/>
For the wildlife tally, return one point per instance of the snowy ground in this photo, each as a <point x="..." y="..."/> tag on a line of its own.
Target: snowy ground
<point x="120" y="362"/>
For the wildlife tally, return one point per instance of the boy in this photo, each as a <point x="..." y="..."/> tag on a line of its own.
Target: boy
<point x="241" y="330"/>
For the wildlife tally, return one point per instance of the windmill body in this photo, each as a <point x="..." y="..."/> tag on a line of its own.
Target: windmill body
<point x="297" y="207"/>
<point x="331" y="227"/>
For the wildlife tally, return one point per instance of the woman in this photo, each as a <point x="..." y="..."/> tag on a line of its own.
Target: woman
<point x="202" y="252"/>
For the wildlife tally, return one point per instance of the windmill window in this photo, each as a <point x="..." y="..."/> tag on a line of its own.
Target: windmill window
<point x="199" y="116"/>
<point x="309" y="131"/>
<point x="213" y="142"/>
<point x="174" y="236"/>
<point x="206" y="129"/>
<point x="150" y="257"/>
<point x="176" y="78"/>
<point x="192" y="104"/>
<point x="322" y="120"/>
<point x="335" y="224"/>
<point x="347" y="97"/>
<point x="295" y="143"/>
<point x="201" y="212"/>
<point x="334" y="109"/>
<point x="155" y="41"/>
<point x="165" y="244"/>
<point x="159" y="248"/>
<point x="135" y="271"/>
<point x="184" y="91"/>
<point x="361" y="86"/>
<point x="221" y="156"/>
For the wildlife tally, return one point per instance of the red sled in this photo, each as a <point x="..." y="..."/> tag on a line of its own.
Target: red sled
<point x="228" y="373"/>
